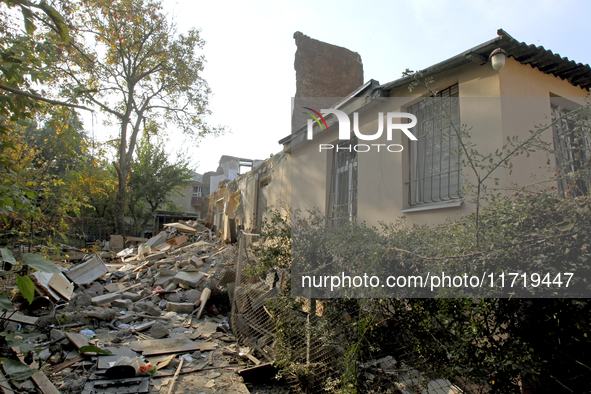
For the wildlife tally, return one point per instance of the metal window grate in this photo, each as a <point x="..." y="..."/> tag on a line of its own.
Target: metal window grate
<point x="343" y="196"/>
<point x="435" y="167"/>
<point x="571" y="147"/>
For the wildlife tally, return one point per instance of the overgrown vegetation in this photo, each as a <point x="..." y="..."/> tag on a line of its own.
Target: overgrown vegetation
<point x="495" y="343"/>
<point x="470" y="336"/>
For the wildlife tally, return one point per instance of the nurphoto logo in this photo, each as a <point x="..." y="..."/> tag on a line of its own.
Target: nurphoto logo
<point x="345" y="129"/>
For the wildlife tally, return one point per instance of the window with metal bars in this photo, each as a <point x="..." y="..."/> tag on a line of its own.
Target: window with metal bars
<point x="196" y="191"/>
<point x="435" y="158"/>
<point x="571" y="147"/>
<point x="343" y="195"/>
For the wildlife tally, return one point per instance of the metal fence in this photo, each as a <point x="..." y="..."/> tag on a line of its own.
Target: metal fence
<point x="321" y="345"/>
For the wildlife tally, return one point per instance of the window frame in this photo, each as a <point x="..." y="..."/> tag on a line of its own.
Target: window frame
<point x="426" y="187"/>
<point x="343" y="196"/>
<point x="567" y="146"/>
<point x="198" y="192"/>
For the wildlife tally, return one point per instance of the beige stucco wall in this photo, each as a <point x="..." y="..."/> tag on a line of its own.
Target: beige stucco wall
<point x="494" y="104"/>
<point x="243" y="196"/>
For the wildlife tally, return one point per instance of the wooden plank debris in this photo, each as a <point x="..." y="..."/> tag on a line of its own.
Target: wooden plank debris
<point x="181" y="227"/>
<point x="38" y="377"/>
<point x="205" y="330"/>
<point x="204" y="297"/>
<point x="78" y="340"/>
<point x="62" y="286"/>
<point x="206" y="346"/>
<point x="43" y="279"/>
<point x="136" y="239"/>
<point x="20" y="318"/>
<point x="162" y="247"/>
<point x="178" y="241"/>
<point x="155" y="256"/>
<point x="164" y="346"/>
<point x="44" y="384"/>
<point x="88" y="272"/>
<point x="60" y="367"/>
<point x="176" y="375"/>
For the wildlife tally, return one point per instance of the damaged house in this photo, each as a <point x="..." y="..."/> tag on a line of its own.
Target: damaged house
<point x="377" y="177"/>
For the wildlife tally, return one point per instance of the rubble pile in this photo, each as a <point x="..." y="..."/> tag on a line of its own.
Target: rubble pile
<point x="152" y="316"/>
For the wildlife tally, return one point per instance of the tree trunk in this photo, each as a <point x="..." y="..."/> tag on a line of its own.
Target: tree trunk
<point x="121" y="193"/>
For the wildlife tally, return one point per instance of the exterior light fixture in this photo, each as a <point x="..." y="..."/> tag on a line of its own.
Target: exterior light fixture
<point x="497" y="58"/>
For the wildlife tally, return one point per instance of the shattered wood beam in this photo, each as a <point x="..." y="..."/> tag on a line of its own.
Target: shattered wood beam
<point x="176" y="375"/>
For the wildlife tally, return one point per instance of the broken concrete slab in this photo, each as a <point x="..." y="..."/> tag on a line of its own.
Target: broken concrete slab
<point x="145" y="326"/>
<point x="122" y="303"/>
<point x="180" y="307"/>
<point x="111" y="287"/>
<point x="155" y="256"/>
<point x="106" y="314"/>
<point x="104" y="299"/>
<point x="88" y="271"/>
<point x="127" y="318"/>
<point x="164" y="346"/>
<point x="20" y="318"/>
<point x="157" y="240"/>
<point x="192" y="296"/>
<point x="116" y="243"/>
<point x="137" y="384"/>
<point x="131" y="296"/>
<point x="159" y="331"/>
<point x="164" y="271"/>
<point x="188" y="279"/>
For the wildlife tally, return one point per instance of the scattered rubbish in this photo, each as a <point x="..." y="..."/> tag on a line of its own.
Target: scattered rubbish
<point x="157" y="240"/>
<point x="176" y="375"/>
<point x="205" y="330"/>
<point x="88" y="271"/>
<point x="164" y="346"/>
<point x="205" y="294"/>
<point x="125" y="252"/>
<point x="135" y="385"/>
<point x="181" y="227"/>
<point x="77" y="339"/>
<point x="158" y="306"/>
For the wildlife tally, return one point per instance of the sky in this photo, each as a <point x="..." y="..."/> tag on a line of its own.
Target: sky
<point x="250" y="51"/>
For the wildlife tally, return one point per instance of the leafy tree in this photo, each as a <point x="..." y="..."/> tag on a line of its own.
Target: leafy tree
<point x="44" y="154"/>
<point x="25" y="60"/>
<point x="154" y="179"/>
<point x="135" y="67"/>
<point x="97" y="181"/>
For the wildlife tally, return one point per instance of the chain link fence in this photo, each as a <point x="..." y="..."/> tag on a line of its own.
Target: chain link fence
<point x="328" y="345"/>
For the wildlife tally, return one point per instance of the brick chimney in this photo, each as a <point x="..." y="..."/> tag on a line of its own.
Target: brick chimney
<point x="324" y="74"/>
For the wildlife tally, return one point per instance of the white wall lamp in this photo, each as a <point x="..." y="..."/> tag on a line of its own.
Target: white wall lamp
<point x="497" y="58"/>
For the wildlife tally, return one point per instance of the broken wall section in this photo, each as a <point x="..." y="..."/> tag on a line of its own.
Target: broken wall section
<point x="323" y="71"/>
<point x="245" y="201"/>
